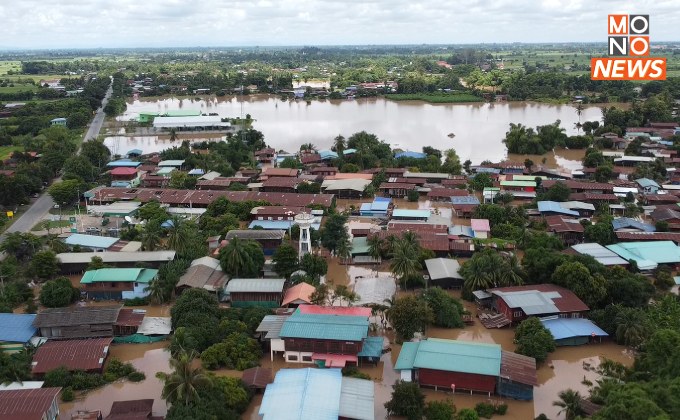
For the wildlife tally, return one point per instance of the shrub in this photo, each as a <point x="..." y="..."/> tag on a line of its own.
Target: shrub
<point x="353" y="372"/>
<point x="139" y="376"/>
<point x="138" y="301"/>
<point x="67" y="394"/>
<point x="118" y="368"/>
<point x="485" y="410"/>
<point x="412" y="196"/>
<point x="501" y="409"/>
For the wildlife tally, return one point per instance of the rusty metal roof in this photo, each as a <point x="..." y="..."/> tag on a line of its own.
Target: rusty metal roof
<point x="26" y="404"/>
<point x="131" y="410"/>
<point x="88" y="354"/>
<point x="518" y="368"/>
<point x="257" y="377"/>
<point x="87" y="315"/>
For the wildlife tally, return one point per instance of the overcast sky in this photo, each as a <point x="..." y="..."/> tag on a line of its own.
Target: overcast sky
<point x="184" y="23"/>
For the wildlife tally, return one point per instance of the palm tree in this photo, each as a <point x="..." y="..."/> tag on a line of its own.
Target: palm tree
<point x="631" y="329"/>
<point x="178" y="234"/>
<point x="570" y="402"/>
<point x="307" y="147"/>
<point x="235" y="259"/>
<point x="181" y="386"/>
<point x="151" y="237"/>
<point x="513" y="272"/>
<point x="344" y="250"/>
<point x="405" y="262"/>
<point x="339" y="144"/>
<point x="173" y="134"/>
<point x="156" y="291"/>
<point x="375" y="245"/>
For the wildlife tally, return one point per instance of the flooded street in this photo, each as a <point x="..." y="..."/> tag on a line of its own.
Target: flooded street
<point x="479" y="128"/>
<point x="148" y="358"/>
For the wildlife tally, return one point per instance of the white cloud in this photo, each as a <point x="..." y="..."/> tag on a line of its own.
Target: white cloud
<point x="130" y="23"/>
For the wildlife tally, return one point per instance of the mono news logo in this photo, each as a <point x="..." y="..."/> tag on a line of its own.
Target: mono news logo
<point x="628" y="47"/>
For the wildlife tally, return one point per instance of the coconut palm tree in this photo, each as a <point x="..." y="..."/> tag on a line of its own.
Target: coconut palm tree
<point x="339" y="144"/>
<point x="631" y="329"/>
<point x="513" y="272"/>
<point x="404" y="264"/>
<point x="344" y="250"/>
<point x="156" y="291"/>
<point x="307" y="147"/>
<point x="234" y="257"/>
<point x="151" y="237"/>
<point x="173" y="134"/>
<point x="178" y="234"/>
<point x="181" y="386"/>
<point x="570" y="404"/>
<point x="375" y="245"/>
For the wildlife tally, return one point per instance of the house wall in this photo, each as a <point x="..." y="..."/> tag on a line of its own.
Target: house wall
<point x="247" y="300"/>
<point x="515" y="390"/>
<point x="136" y="292"/>
<point x="448" y="283"/>
<point x="466" y="381"/>
<point x="298" y="356"/>
<point x="517" y="315"/>
<point x="77" y="331"/>
<point x="323" y="346"/>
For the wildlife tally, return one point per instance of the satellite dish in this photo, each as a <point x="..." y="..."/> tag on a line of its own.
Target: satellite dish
<point x="128" y="219"/>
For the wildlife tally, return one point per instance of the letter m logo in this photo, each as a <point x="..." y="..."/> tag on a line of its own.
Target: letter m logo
<point x="617" y="24"/>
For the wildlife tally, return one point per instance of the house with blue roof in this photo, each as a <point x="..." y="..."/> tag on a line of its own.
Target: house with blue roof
<point x="123" y="163"/>
<point x="411" y="155"/>
<point x="96" y="243"/>
<point x="627" y="224"/>
<point x="648" y="186"/>
<point x="573" y="331"/>
<point x="320" y="394"/>
<point x="552" y="208"/>
<point x="378" y="208"/>
<point x="648" y="255"/>
<point x="327" y="154"/>
<point x="16" y="330"/>
<point x="466" y="365"/>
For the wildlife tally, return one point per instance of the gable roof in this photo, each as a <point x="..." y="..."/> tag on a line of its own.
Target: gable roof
<point x="603" y="255"/>
<point x="255" y="285"/>
<point x="255" y="234"/>
<point x="555" y="207"/>
<point x="335" y="310"/>
<point x="648" y="254"/>
<point x="131" y="410"/>
<point x="564" y="300"/>
<point x="443" y="268"/>
<point x="301" y="291"/>
<point x="17" y="327"/>
<point x="204" y="273"/>
<point x="561" y="328"/>
<point x="129" y="275"/>
<point x="518" y="368"/>
<point x="79" y="315"/>
<point x="26" y="404"/>
<point x="480" y="225"/>
<point x="627" y="222"/>
<point x="90" y="241"/>
<point x="325" y="327"/>
<point x="451" y="356"/>
<point x="646" y="182"/>
<point x="88" y="354"/>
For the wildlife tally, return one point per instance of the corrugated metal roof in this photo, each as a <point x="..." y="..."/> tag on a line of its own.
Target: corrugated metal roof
<point x="418" y="214"/>
<point x="627" y="222"/>
<point x="518" y="183"/>
<point x="86" y="354"/>
<point x="374" y="289"/>
<point x="555" y="207"/>
<point x="301" y="394"/>
<point x="465" y="200"/>
<point x="335" y="310"/>
<point x="518" y="368"/>
<point x="255" y="285"/>
<point x="17" y="327"/>
<point x="443" y="268"/>
<point x="646" y="182"/>
<point x="325" y="327"/>
<point x="561" y="328"/>
<point x="532" y="302"/>
<point x="603" y="255"/>
<point x="256" y="234"/>
<point x="373" y="347"/>
<point x="74" y="316"/>
<point x="90" y="241"/>
<point x="115" y="257"/>
<point x="301" y="291"/>
<point x="357" y="398"/>
<point x="460" y="230"/>
<point x="271" y="325"/>
<point x="648" y="254"/>
<point x="407" y="355"/>
<point x="454" y="356"/>
<point x="360" y="245"/>
<point x="24" y="404"/>
<point x="565" y="300"/>
<point x="138" y="275"/>
<point x="480" y="225"/>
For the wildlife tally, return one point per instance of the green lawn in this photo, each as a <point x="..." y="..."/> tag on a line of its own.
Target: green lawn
<point x="18" y="88"/>
<point x="6" y="66"/>
<point x="53" y="224"/>
<point x="6" y="151"/>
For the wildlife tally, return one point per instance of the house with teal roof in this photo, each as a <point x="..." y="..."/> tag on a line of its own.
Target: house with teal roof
<point x="117" y="283"/>
<point x="648" y="255"/>
<point x="469" y="366"/>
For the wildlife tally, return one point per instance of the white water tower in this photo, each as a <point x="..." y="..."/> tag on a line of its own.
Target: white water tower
<point x="304" y="220"/>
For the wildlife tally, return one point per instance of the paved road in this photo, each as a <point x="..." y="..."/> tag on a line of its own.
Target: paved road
<point x="39" y="209"/>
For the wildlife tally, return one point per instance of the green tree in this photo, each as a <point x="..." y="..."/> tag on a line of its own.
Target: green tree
<point x="96" y="153"/>
<point x="407" y="400"/>
<point x="570" y="404"/>
<point x="242" y="258"/>
<point x="604" y="173"/>
<point x="21" y="245"/>
<point x="80" y="168"/>
<point x="481" y="181"/>
<point x="334" y="232"/>
<point x="446" y="309"/>
<point x="181" y="385"/>
<point x="601" y="232"/>
<point x="44" y="264"/>
<point x="151" y="236"/>
<point x="153" y="211"/>
<point x="439" y="410"/>
<point x="409" y="315"/>
<point x="182" y="181"/>
<point x="533" y="339"/>
<point x="285" y="260"/>
<point x="58" y="293"/>
<point x="467" y="414"/>
<point x="404" y="263"/>
<point x="576" y="277"/>
<point x="314" y="265"/>
<point x="557" y="192"/>
<point x="236" y="351"/>
<point x="66" y="192"/>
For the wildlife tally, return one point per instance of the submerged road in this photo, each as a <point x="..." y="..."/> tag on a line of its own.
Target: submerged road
<point x="39" y="209"/>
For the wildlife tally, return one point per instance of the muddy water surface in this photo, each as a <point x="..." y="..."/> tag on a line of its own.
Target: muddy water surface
<point x="148" y="358"/>
<point x="478" y="127"/>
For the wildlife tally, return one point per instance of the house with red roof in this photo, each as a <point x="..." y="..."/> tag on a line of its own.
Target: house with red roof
<point x="87" y="355"/>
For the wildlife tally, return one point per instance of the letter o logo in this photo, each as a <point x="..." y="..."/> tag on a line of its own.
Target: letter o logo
<point x="639" y="45"/>
<point x="638" y="24"/>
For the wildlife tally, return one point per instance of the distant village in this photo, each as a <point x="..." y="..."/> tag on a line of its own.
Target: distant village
<point x="454" y="220"/>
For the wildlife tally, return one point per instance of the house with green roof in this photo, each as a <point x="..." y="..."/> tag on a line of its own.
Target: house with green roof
<point x="117" y="283"/>
<point x="648" y="255"/>
<point x="466" y="365"/>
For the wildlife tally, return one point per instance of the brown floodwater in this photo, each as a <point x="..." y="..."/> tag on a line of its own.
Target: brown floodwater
<point x="478" y="127"/>
<point x="148" y="358"/>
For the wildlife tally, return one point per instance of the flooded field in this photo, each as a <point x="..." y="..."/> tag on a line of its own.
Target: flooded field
<point x="478" y="127"/>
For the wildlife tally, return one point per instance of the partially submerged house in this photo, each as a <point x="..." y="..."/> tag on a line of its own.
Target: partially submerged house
<point x="203" y="273"/>
<point x="469" y="366"/>
<point x="117" y="283"/>
<point x="322" y="394"/>
<point x="648" y="255"/>
<point x="573" y="331"/>
<point x="444" y="273"/>
<point x="87" y="355"/>
<point x="77" y="322"/>
<point x="16" y="330"/>
<point x="246" y="293"/>
<point x="29" y="404"/>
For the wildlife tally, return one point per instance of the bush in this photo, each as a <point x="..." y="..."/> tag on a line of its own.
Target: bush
<point x="412" y="196"/>
<point x="501" y="409"/>
<point x="139" y="376"/>
<point x="440" y="410"/>
<point x="138" y="301"/>
<point x="118" y="368"/>
<point x="58" y="293"/>
<point x="485" y="410"/>
<point x="467" y="414"/>
<point x="353" y="372"/>
<point x="67" y="394"/>
<point x="407" y="400"/>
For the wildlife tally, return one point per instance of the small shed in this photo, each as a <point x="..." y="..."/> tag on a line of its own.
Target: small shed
<point x="245" y="293"/>
<point x="15" y="331"/>
<point x="518" y="376"/>
<point x="257" y="378"/>
<point x="131" y="409"/>
<point x="298" y="295"/>
<point x="444" y="272"/>
<point x="573" y="331"/>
